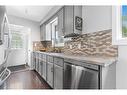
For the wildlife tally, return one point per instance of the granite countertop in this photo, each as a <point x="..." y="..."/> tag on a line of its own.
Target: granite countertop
<point x="96" y="60"/>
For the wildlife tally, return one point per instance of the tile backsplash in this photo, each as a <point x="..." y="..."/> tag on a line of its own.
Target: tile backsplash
<point x="42" y="45"/>
<point x="97" y="44"/>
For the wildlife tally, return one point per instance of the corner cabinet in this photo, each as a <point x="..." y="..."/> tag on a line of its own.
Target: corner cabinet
<point x="70" y="13"/>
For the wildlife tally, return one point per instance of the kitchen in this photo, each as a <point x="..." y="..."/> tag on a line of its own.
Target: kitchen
<point x="63" y="47"/>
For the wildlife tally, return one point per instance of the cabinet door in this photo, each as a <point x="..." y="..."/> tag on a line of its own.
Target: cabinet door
<point x="48" y="32"/>
<point x="33" y="61"/>
<point x="44" y="70"/>
<point x="40" y="65"/>
<point x="50" y="74"/>
<point x="41" y="68"/>
<point x="60" y="22"/>
<point x="42" y="32"/>
<point x="34" y="64"/>
<point x="58" y="77"/>
<point x="68" y="19"/>
<point x="59" y="33"/>
<point x="37" y="64"/>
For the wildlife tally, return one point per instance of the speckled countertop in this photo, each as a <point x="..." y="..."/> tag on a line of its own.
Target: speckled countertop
<point x="96" y="60"/>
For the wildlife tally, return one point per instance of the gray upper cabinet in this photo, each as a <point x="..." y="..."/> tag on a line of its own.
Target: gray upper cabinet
<point x="60" y="23"/>
<point x="42" y="32"/>
<point x="68" y="19"/>
<point x="59" y="34"/>
<point x="45" y="31"/>
<point x="70" y="13"/>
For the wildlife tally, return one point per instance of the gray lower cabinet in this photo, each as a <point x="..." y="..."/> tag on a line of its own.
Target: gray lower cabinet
<point x="50" y="71"/>
<point x="40" y="65"/>
<point x="37" y="64"/>
<point x="58" y="77"/>
<point x="33" y="60"/>
<point x="44" y="70"/>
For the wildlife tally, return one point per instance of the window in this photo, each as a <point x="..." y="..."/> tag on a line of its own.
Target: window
<point x="16" y="40"/>
<point x="124" y="21"/>
<point x="119" y="25"/>
<point x="17" y="37"/>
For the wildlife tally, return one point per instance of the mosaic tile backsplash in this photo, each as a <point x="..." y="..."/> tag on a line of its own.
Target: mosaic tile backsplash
<point x="43" y="45"/>
<point x="92" y="44"/>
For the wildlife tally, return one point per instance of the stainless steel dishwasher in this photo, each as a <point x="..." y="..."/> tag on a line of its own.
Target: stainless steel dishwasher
<point x="79" y="75"/>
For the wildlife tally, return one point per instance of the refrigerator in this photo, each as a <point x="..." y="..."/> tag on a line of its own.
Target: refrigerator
<point x="4" y="45"/>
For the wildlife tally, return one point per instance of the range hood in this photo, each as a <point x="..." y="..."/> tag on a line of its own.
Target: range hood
<point x="72" y="35"/>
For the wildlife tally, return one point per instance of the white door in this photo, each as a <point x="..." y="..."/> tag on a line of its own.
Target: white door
<point x="19" y="46"/>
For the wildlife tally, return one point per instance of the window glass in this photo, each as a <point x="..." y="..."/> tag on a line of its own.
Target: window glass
<point x="124" y="21"/>
<point x="16" y="40"/>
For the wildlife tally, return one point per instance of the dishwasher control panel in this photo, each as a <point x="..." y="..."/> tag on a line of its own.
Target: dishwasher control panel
<point x="83" y="64"/>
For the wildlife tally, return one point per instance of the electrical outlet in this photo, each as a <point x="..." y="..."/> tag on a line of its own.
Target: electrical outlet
<point x="79" y="46"/>
<point x="70" y="46"/>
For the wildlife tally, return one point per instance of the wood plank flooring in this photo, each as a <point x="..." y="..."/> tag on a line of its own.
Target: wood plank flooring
<point x="26" y="79"/>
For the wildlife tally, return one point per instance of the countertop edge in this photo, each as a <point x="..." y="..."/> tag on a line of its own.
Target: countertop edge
<point x="103" y="64"/>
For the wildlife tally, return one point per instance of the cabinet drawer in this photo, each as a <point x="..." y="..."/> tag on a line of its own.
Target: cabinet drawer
<point x="50" y="59"/>
<point x="58" y="61"/>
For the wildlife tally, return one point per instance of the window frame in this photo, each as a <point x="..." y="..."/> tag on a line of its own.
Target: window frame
<point x="117" y="38"/>
<point x="16" y="48"/>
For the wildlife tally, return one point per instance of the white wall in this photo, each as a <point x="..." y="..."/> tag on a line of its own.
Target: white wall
<point x="96" y="18"/>
<point x="100" y="18"/>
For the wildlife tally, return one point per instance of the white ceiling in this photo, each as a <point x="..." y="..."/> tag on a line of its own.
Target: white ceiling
<point x="35" y="13"/>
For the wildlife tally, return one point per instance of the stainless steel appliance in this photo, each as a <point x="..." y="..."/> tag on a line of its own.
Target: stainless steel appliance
<point x="85" y="76"/>
<point x="4" y="42"/>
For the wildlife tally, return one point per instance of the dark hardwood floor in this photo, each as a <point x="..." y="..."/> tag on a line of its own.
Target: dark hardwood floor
<point x="27" y="79"/>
